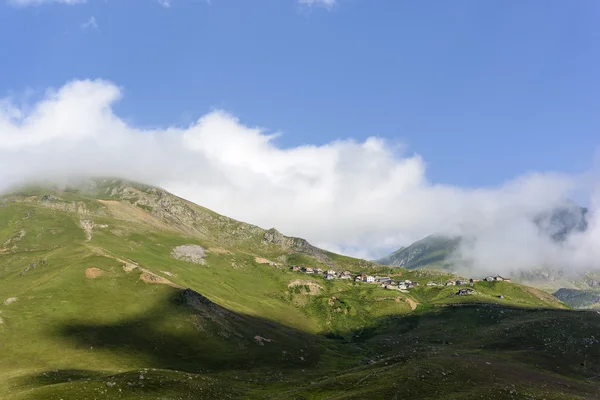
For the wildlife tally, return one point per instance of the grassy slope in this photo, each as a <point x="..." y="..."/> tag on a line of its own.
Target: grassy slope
<point x="70" y="336"/>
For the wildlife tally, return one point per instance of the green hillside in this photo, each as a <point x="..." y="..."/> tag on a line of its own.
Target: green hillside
<point x="117" y="290"/>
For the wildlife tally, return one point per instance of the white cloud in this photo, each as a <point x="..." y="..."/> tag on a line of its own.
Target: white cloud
<point x="325" y="3"/>
<point x="90" y="24"/>
<point x="25" y="3"/>
<point x="357" y="197"/>
<point x="165" y="3"/>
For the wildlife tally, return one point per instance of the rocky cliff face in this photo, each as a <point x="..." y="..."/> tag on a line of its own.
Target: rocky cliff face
<point x="297" y="245"/>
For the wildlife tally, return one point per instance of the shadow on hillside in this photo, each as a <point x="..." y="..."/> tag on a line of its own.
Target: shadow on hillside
<point x="194" y="335"/>
<point x="188" y="334"/>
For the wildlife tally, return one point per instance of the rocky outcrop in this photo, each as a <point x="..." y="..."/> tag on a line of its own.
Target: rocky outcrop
<point x="296" y="245"/>
<point x="88" y="227"/>
<point x="190" y="253"/>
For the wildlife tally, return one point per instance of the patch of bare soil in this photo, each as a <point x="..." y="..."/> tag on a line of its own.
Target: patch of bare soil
<point x="150" y="277"/>
<point x="260" y="340"/>
<point x="260" y="260"/>
<point x="313" y="288"/>
<point x="190" y="253"/>
<point x="413" y="304"/>
<point x="93" y="273"/>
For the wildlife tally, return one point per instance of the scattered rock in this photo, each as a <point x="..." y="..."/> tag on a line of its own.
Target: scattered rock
<point x="10" y="300"/>
<point x="93" y="273"/>
<point x="260" y="340"/>
<point x="87" y="227"/>
<point x="110" y="384"/>
<point x="28" y="268"/>
<point x="16" y="238"/>
<point x="190" y="253"/>
<point x="129" y="267"/>
<point x="167" y="273"/>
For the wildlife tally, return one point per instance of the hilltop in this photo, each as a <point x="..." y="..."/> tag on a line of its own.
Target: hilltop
<point x="115" y="289"/>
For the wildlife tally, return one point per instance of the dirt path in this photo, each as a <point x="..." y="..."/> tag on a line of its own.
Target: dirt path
<point x="413" y="304"/>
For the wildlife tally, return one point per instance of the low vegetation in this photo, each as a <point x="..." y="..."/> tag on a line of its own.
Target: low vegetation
<point x="105" y="310"/>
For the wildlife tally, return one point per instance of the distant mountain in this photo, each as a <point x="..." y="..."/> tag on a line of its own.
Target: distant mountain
<point x="434" y="251"/>
<point x="578" y="298"/>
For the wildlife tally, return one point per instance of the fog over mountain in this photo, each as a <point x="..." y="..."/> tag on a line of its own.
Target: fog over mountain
<point x="360" y="198"/>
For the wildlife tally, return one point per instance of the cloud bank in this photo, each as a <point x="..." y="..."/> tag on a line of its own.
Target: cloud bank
<point x="360" y="198"/>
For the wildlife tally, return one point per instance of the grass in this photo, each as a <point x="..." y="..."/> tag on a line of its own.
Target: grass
<point x="69" y="336"/>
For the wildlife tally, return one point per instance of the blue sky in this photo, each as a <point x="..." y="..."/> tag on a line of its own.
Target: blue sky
<point x="483" y="91"/>
<point x="494" y="105"/>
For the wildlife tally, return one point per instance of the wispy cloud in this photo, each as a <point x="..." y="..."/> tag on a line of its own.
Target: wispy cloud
<point x="25" y="3"/>
<point x="90" y="24"/>
<point x="322" y="3"/>
<point x="165" y="3"/>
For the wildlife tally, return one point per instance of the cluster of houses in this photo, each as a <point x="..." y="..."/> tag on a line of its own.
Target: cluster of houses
<point x="329" y="274"/>
<point x="459" y="282"/>
<point x="387" y="283"/>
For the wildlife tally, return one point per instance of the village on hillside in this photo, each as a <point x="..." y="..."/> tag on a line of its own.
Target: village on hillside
<point x="388" y="283"/>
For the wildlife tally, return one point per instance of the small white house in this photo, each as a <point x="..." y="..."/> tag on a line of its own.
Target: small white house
<point x="370" y="279"/>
